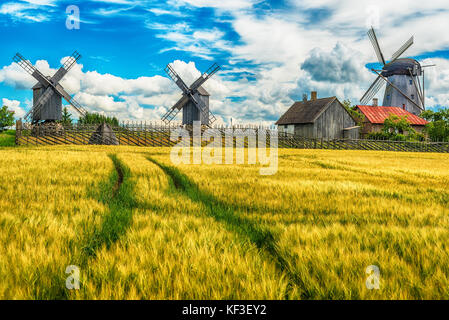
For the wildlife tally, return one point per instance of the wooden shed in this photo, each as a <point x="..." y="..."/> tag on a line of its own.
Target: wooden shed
<point x="316" y="118"/>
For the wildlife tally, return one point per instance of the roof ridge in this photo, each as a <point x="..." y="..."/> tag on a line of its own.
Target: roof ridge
<point x="302" y="112"/>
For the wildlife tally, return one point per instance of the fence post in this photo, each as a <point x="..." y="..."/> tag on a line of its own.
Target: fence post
<point x="18" y="131"/>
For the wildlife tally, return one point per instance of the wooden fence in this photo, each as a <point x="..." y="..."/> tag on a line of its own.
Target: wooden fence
<point x="159" y="136"/>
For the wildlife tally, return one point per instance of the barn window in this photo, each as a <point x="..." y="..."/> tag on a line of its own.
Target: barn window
<point x="411" y="82"/>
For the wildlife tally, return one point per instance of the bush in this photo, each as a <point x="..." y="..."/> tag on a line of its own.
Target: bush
<point x="378" y="136"/>
<point x="400" y="137"/>
<point x="419" y="137"/>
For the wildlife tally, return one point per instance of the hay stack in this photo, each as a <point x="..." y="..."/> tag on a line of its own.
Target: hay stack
<point x="104" y="135"/>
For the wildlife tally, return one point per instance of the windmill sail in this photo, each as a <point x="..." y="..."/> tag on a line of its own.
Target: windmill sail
<point x="194" y="101"/>
<point x="402" y="49"/>
<point x="375" y="42"/>
<point x="373" y="90"/>
<point x="46" y="105"/>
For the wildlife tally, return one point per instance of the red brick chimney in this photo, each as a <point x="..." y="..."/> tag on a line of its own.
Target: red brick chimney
<point x="375" y="102"/>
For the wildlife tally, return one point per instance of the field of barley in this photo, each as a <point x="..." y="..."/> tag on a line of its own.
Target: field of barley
<point x="139" y="227"/>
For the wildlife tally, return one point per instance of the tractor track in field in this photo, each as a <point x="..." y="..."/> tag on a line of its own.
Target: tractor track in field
<point x="117" y="194"/>
<point x="120" y="177"/>
<point x="245" y="228"/>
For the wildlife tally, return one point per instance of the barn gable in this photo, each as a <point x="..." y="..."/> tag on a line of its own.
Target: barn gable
<point x="303" y="112"/>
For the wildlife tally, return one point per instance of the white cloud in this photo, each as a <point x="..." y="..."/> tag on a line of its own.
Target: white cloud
<point x="42" y="2"/>
<point x="160" y="12"/>
<point x="437" y="82"/>
<point x="26" y="11"/>
<point x="220" y="4"/>
<point x="271" y="48"/>
<point x="14" y="105"/>
<point x="201" y="43"/>
<point x="14" y="75"/>
<point x="109" y="94"/>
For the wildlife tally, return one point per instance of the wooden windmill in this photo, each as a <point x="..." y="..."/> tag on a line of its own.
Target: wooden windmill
<point x="402" y="77"/>
<point x="48" y="93"/>
<point x="194" y="101"/>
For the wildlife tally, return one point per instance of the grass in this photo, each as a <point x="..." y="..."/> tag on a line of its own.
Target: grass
<point x="141" y="228"/>
<point x="7" y="138"/>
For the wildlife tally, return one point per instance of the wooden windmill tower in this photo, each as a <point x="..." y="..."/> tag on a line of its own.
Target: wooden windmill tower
<point x="48" y="93"/>
<point x="403" y="77"/>
<point x="194" y="102"/>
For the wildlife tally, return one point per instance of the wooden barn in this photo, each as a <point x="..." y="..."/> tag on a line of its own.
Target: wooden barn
<point x="316" y="118"/>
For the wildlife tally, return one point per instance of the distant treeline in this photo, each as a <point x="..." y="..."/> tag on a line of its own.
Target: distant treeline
<point x="95" y="118"/>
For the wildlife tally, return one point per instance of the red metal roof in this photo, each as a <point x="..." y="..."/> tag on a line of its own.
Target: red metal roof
<point x="377" y="115"/>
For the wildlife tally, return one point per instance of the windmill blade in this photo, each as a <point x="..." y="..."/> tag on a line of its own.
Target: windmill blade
<point x="59" y="89"/>
<point x="402" y="49"/>
<point x="28" y="67"/>
<point x="68" y="64"/>
<point x="170" y="115"/>
<point x="173" y="112"/>
<point x="212" y="118"/>
<point x="43" y="99"/>
<point x="205" y="76"/>
<point x="177" y="79"/>
<point x="82" y="112"/>
<point x="181" y="102"/>
<point x="67" y="97"/>
<point x="77" y="107"/>
<point x="372" y="36"/>
<point x="372" y="91"/>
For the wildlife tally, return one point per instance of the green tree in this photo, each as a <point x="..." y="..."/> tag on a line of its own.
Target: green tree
<point x="6" y="118"/>
<point x="66" y="117"/>
<point x="438" y="126"/>
<point x="356" y="115"/>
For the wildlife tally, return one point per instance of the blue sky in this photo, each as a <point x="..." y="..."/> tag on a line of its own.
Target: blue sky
<point x="271" y="52"/>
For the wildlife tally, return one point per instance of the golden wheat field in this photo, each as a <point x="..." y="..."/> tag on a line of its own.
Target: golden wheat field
<point x="139" y="227"/>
